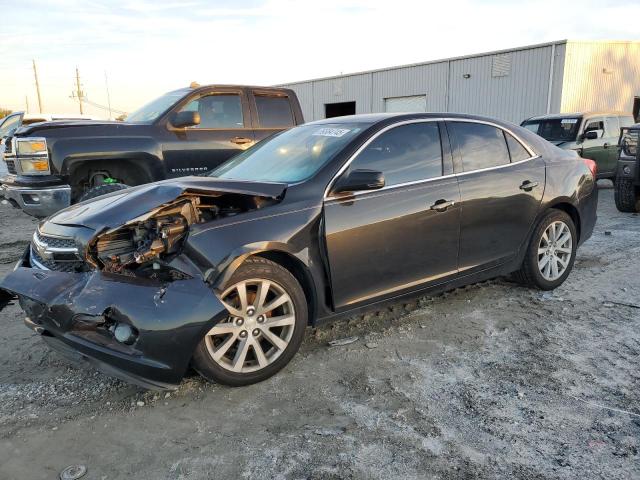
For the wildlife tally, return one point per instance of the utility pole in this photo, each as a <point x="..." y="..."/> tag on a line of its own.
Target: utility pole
<point x="35" y="73"/>
<point x="106" y="82"/>
<point x="78" y="90"/>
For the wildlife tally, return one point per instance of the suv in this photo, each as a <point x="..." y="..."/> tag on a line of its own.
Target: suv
<point x="627" y="188"/>
<point x="592" y="135"/>
<point x="184" y="132"/>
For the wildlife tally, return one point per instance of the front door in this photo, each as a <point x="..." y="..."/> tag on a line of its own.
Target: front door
<point x="390" y="240"/>
<point x="595" y="148"/>
<point x="501" y="187"/>
<point x="224" y="130"/>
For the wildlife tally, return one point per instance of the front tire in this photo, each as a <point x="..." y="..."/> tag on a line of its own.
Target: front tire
<point x="626" y="195"/>
<point x="551" y="253"/>
<point x="101" y="190"/>
<point x="266" y="325"/>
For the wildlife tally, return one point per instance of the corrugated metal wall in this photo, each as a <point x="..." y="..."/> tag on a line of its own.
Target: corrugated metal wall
<point x="601" y="76"/>
<point x="519" y="94"/>
<point x="511" y="85"/>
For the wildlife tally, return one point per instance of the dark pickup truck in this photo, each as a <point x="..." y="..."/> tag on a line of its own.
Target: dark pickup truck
<point x="184" y="132"/>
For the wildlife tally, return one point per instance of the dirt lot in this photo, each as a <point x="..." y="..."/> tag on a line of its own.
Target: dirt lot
<point x="492" y="380"/>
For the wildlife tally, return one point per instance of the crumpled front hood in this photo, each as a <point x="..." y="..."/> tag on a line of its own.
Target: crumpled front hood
<point x="118" y="208"/>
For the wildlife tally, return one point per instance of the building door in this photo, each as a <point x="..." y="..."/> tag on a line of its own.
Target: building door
<point x="414" y="103"/>
<point x="339" y="109"/>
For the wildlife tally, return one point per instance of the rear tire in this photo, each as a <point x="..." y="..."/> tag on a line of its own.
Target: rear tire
<point x="101" y="190"/>
<point x="626" y="195"/>
<point x="254" y="342"/>
<point x="551" y="252"/>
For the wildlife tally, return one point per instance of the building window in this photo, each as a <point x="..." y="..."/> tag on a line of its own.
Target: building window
<point x="414" y="103"/>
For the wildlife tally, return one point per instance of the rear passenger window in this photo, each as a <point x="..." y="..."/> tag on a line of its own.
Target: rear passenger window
<point x="516" y="150"/>
<point x="404" y="154"/>
<point x="480" y="145"/>
<point x="274" y="111"/>
<point x="612" y="126"/>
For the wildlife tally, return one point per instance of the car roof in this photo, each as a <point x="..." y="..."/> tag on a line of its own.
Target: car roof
<point x="589" y="113"/>
<point x="373" y="118"/>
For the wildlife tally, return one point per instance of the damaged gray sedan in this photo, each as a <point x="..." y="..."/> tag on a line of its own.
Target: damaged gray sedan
<point x="224" y="272"/>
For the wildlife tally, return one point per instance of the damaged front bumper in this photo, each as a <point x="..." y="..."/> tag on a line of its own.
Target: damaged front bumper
<point x="76" y="313"/>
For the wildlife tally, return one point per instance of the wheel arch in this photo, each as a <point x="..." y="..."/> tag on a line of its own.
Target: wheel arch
<point x="285" y="259"/>
<point x="570" y="210"/>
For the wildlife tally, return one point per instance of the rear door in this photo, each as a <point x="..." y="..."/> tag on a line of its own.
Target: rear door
<point x="501" y="186"/>
<point x="225" y="129"/>
<point x="385" y="241"/>
<point x="272" y="113"/>
<point x="610" y="145"/>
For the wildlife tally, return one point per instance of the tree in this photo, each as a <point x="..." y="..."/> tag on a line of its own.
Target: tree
<point x="4" y="112"/>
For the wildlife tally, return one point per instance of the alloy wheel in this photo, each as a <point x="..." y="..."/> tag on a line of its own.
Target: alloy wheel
<point x="554" y="250"/>
<point x="258" y="329"/>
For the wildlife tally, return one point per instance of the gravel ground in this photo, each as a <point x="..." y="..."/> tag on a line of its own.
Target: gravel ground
<point x="488" y="381"/>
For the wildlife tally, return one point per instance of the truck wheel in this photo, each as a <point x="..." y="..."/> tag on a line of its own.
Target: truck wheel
<point x="102" y="190"/>
<point x="626" y="195"/>
<point x="265" y="327"/>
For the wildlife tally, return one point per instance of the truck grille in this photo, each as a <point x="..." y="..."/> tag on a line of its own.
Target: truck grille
<point x="11" y="166"/>
<point x="60" y="262"/>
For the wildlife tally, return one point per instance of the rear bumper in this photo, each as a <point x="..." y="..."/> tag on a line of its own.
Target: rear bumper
<point x="76" y="313"/>
<point x="34" y="200"/>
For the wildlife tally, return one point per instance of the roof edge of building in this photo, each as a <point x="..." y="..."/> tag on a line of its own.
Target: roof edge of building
<point x="443" y="60"/>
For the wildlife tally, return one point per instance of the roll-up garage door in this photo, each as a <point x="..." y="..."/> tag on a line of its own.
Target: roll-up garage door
<point x="415" y="103"/>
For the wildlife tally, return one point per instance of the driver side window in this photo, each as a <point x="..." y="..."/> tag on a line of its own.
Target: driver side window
<point x="595" y="124"/>
<point x="217" y="111"/>
<point x="404" y="154"/>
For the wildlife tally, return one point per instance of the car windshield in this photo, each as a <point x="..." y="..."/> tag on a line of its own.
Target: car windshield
<point x="152" y="110"/>
<point x="291" y="156"/>
<point x="555" y="129"/>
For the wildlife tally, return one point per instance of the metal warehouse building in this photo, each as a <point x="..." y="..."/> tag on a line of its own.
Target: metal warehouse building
<point x="514" y="84"/>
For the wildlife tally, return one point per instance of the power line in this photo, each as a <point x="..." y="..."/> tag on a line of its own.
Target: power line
<point x="97" y="105"/>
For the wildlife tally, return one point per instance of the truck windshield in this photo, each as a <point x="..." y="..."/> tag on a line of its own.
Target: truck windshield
<point x="555" y="129"/>
<point x="291" y="156"/>
<point x="152" y="110"/>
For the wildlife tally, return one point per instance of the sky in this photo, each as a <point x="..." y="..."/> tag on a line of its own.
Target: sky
<point x="143" y="48"/>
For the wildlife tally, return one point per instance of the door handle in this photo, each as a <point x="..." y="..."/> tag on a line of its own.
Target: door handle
<point x="527" y="185"/>
<point x="441" y="205"/>
<point x="241" y="140"/>
<point x="606" y="145"/>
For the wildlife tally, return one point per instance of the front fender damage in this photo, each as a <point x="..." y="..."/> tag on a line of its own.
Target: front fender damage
<point x="78" y="312"/>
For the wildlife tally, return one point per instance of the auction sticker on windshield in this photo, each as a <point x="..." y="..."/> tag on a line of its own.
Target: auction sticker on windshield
<point x="331" y="132"/>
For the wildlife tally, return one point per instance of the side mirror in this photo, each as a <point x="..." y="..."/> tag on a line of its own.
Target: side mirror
<point x="590" y="135"/>
<point x="185" y="119"/>
<point x="359" y="180"/>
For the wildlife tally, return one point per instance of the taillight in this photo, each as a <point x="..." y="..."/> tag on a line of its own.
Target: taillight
<point x="593" y="167"/>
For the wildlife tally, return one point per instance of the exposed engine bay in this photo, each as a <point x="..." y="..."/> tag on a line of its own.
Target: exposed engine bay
<point x="144" y="245"/>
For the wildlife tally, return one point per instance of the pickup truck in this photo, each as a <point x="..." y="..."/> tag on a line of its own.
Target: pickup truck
<point x="184" y="132"/>
<point x="592" y="135"/>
